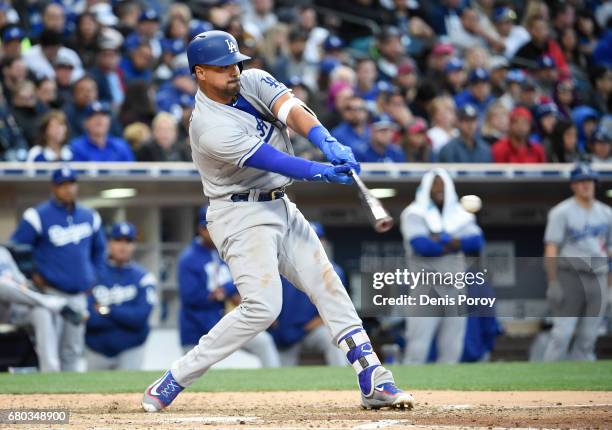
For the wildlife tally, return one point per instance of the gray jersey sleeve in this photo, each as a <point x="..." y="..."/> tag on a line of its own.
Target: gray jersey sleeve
<point x="229" y="144"/>
<point x="265" y="87"/>
<point x="555" y="227"/>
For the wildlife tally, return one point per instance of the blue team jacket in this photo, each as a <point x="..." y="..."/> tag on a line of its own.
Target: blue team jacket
<point x="129" y="292"/>
<point x="200" y="271"/>
<point x="68" y="245"/>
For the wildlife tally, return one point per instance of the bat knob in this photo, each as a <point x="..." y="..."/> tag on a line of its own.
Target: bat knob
<point x="384" y="224"/>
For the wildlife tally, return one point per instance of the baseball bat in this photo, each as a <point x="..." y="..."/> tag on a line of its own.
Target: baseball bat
<point x="377" y="214"/>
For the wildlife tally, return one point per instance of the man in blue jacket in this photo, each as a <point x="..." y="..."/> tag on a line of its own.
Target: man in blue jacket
<point x="205" y="284"/>
<point x="68" y="247"/>
<point x="119" y="306"/>
<point x="299" y="325"/>
<point x="97" y="144"/>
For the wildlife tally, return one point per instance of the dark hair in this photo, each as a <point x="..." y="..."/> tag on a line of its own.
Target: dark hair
<point x="50" y="38"/>
<point x="556" y="139"/>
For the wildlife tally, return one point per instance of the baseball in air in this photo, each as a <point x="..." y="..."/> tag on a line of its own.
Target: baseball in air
<point x="471" y="203"/>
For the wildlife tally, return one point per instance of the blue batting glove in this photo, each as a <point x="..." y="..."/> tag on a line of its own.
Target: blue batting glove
<point x="335" y="174"/>
<point x="337" y="153"/>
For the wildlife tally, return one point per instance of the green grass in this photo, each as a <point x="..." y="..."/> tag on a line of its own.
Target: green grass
<point x="487" y="376"/>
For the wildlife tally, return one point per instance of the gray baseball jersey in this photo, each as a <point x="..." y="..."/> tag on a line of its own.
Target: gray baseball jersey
<point x="580" y="232"/>
<point x="223" y="136"/>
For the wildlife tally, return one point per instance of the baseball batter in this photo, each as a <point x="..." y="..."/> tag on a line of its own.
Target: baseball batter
<point x="241" y="148"/>
<point x="578" y="229"/>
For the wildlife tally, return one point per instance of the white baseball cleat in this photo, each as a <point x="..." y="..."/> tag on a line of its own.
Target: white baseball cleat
<point x="387" y="395"/>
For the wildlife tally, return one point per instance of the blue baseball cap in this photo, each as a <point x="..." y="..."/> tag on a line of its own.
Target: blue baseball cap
<point x="516" y="75"/>
<point x="148" y="15"/>
<point x="384" y="87"/>
<point x="196" y="27"/>
<point x="327" y="65"/>
<point x="602" y="134"/>
<point x="173" y="46"/>
<point x="123" y="230"/>
<point x="318" y="228"/>
<point x="333" y="42"/>
<point x="295" y="81"/>
<point x="478" y="75"/>
<point x="502" y="14"/>
<point x="583" y="172"/>
<point x="202" y="216"/>
<point x="383" y="121"/>
<point x="133" y="41"/>
<point x="453" y="65"/>
<point x="13" y="33"/>
<point x="546" y="109"/>
<point x="467" y="111"/>
<point x="63" y="174"/>
<point x="546" y="62"/>
<point x="97" y="107"/>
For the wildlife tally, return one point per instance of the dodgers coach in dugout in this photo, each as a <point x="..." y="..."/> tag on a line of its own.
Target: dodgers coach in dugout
<point x="68" y="247"/>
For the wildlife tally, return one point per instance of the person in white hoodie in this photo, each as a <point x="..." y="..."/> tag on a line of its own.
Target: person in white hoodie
<point x="437" y="234"/>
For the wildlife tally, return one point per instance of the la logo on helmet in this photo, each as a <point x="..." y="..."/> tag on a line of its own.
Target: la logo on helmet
<point x="231" y="46"/>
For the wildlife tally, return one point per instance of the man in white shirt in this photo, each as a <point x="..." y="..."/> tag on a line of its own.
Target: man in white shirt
<point x="40" y="58"/>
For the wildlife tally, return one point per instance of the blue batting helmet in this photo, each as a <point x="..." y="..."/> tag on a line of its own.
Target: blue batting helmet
<point x="214" y="48"/>
<point x="583" y="172"/>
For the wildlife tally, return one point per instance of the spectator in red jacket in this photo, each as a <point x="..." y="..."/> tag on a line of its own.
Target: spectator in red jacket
<point x="516" y="147"/>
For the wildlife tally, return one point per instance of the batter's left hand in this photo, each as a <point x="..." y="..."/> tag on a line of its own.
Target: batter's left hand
<point x="337" y="153"/>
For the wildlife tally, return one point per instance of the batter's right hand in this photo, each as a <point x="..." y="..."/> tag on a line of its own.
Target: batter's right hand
<point x="337" y="174"/>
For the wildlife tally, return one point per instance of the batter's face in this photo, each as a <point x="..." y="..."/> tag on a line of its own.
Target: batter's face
<point x="220" y="83"/>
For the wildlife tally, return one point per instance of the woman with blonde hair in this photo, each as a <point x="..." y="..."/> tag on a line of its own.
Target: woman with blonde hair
<point x="495" y="124"/>
<point x="51" y="139"/>
<point x="442" y="112"/>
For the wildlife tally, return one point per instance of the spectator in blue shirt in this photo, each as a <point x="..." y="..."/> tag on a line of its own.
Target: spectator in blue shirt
<point x="468" y="147"/>
<point x="96" y="144"/>
<point x="168" y="97"/>
<point x="381" y="148"/>
<point x="353" y="131"/>
<point x="367" y="75"/>
<point x="68" y="248"/>
<point x="119" y="306"/>
<point x="478" y="93"/>
<point x="137" y="64"/>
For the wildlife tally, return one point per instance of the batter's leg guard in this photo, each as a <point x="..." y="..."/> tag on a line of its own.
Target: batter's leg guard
<point x="376" y="383"/>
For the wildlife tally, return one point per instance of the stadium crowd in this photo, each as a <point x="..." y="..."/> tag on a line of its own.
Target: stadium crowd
<point x="397" y="80"/>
